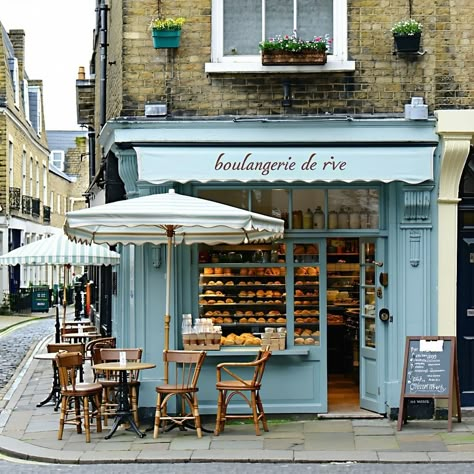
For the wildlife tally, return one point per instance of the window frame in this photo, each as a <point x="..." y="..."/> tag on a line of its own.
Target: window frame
<point x="337" y="61"/>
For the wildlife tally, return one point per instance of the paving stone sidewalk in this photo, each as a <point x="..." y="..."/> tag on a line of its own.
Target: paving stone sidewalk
<point x="30" y="432"/>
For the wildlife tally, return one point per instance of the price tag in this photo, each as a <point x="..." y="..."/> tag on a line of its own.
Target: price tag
<point x="123" y="358"/>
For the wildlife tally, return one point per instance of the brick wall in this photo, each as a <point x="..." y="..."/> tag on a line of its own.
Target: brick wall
<point x="382" y="82"/>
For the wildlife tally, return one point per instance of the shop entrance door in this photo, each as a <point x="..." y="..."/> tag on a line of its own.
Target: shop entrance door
<point x="371" y="300"/>
<point x="465" y="318"/>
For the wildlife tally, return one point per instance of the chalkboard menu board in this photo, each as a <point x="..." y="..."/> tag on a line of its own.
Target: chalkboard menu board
<point x="428" y="367"/>
<point x="430" y="371"/>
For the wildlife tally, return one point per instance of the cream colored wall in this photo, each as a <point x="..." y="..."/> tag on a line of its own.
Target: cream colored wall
<point x="456" y="129"/>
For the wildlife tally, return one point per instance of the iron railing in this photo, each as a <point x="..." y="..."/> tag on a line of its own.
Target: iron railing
<point x="15" y="198"/>
<point x="26" y="204"/>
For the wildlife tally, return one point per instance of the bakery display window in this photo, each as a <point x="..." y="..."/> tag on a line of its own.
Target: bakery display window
<point x="242" y="289"/>
<point x="306" y="294"/>
<point x="350" y="208"/>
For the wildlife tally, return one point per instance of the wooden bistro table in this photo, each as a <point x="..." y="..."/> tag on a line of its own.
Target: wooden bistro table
<point x="55" y="393"/>
<point x="83" y="337"/>
<point x="124" y="412"/>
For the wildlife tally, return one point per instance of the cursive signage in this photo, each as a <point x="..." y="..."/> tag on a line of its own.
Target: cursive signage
<point x="159" y="165"/>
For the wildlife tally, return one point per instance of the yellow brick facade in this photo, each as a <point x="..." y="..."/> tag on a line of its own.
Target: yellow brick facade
<point x="381" y="83"/>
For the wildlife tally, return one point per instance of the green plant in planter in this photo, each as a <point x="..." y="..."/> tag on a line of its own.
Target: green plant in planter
<point x="407" y="35"/>
<point x="408" y="27"/>
<point x="169" y="24"/>
<point x="295" y="44"/>
<point x="166" y="32"/>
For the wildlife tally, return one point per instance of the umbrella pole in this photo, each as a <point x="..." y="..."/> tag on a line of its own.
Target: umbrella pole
<point x="168" y="294"/>
<point x="64" y="296"/>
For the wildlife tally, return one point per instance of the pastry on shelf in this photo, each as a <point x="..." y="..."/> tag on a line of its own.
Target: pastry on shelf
<point x="241" y="282"/>
<point x="228" y="320"/>
<point x="229" y="283"/>
<point x="229" y="300"/>
<point x="208" y="271"/>
<point x="243" y="320"/>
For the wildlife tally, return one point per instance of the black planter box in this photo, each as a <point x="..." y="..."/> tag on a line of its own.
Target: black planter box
<point x="407" y="43"/>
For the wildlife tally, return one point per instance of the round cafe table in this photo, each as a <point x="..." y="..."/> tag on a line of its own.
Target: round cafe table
<point x="55" y="393"/>
<point x="124" y="412"/>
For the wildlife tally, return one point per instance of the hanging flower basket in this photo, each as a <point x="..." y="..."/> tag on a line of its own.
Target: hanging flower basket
<point x="166" y="38"/>
<point x="407" y="43"/>
<point x="275" y="57"/>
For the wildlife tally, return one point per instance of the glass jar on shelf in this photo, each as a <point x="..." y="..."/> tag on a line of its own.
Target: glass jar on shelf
<point x="318" y="218"/>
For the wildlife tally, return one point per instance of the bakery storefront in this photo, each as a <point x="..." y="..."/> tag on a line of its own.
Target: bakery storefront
<point x="352" y="276"/>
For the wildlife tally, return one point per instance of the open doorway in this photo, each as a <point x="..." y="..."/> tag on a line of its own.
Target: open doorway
<point x="343" y="283"/>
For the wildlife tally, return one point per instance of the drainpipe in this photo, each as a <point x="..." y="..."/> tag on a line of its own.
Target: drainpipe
<point x="91" y="141"/>
<point x="103" y="9"/>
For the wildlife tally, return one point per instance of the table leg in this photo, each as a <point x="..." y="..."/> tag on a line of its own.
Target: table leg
<point x="123" y="413"/>
<point x="55" y="393"/>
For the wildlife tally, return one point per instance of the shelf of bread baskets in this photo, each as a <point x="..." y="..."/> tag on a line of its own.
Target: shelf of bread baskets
<point x="245" y="271"/>
<point x="244" y="339"/>
<point x="252" y="318"/>
<point x="241" y="283"/>
<point x="309" y="271"/>
<point x="306" y="337"/>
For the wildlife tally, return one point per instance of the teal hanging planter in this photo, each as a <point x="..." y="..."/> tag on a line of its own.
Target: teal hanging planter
<point x="166" y="38"/>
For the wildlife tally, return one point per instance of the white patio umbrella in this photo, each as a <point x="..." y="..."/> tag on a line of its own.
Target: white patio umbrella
<point x="170" y="218"/>
<point x="59" y="250"/>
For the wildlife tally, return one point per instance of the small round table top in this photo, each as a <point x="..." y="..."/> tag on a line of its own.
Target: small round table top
<point x="46" y="356"/>
<point x="128" y="366"/>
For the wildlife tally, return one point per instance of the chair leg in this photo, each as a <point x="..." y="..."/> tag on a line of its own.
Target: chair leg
<point x="62" y="416"/>
<point x="253" y="402"/>
<point x="97" y="411"/>
<point x="156" y="427"/>
<point x="262" y="413"/>
<point x="219" y="413"/>
<point x="197" y="417"/>
<point x="77" y="409"/>
<point x="87" y="421"/>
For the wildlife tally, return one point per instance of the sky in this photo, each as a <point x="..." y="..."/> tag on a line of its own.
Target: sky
<point x="58" y="39"/>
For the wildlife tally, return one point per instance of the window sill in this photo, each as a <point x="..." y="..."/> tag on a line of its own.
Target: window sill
<point x="255" y="67"/>
<point x="239" y="351"/>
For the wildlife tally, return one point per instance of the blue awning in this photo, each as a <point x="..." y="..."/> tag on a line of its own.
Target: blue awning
<point x="410" y="164"/>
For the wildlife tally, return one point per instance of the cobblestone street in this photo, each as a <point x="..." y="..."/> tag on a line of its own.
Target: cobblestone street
<point x="17" y="342"/>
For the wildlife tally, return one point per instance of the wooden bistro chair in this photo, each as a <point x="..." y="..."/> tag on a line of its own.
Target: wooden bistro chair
<point x="68" y="347"/>
<point x="77" y="396"/>
<point x="110" y="381"/>
<point x="182" y="385"/>
<point x="233" y="383"/>
<point x="94" y="346"/>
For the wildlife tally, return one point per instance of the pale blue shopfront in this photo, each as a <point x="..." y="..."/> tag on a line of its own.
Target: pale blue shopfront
<point x="259" y="164"/>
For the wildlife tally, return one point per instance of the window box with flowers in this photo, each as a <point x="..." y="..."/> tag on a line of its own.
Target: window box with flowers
<point x="407" y="35"/>
<point x="291" y="50"/>
<point x="166" y="32"/>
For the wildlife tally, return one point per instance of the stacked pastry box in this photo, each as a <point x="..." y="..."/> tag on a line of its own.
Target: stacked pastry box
<point x="204" y="336"/>
<point x="275" y="338"/>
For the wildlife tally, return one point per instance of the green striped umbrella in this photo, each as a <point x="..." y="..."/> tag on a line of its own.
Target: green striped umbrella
<point x="59" y="250"/>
